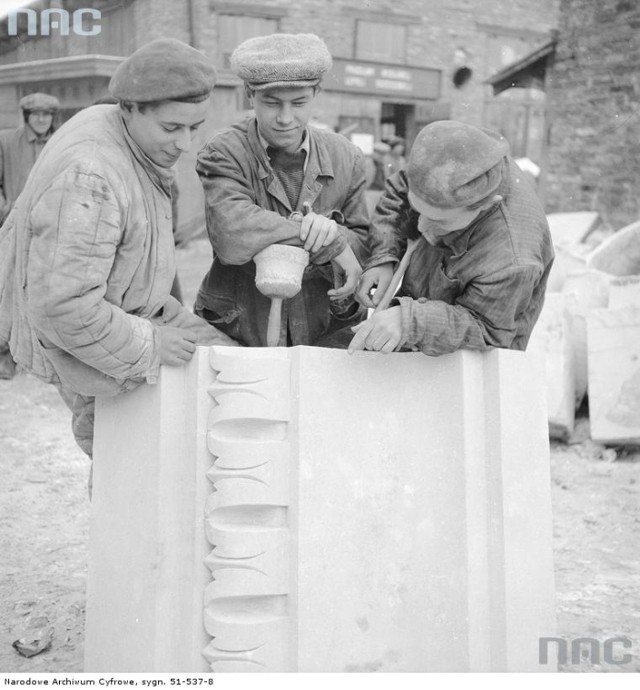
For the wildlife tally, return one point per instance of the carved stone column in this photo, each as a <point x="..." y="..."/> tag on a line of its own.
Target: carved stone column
<point x="306" y="510"/>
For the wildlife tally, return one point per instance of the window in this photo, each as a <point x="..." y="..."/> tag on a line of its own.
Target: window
<point x="380" y="42"/>
<point x="234" y="29"/>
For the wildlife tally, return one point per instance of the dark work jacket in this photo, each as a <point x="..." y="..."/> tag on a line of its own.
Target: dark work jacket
<point x="247" y="210"/>
<point x="477" y="288"/>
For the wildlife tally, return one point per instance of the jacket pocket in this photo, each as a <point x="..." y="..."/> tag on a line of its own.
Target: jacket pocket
<point x="444" y="288"/>
<point x="223" y="313"/>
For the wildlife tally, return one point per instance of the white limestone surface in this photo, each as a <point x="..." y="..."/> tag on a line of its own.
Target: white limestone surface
<point x="619" y="254"/>
<point x="551" y="339"/>
<point x="428" y="548"/>
<point x="624" y="291"/>
<point x="583" y="291"/>
<point x="614" y="374"/>
<point x="300" y="510"/>
<point x="572" y="227"/>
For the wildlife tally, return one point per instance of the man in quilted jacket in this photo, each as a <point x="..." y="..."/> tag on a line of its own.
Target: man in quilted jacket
<point x="88" y="249"/>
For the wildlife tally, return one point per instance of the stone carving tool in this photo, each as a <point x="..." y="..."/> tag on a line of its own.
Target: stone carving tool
<point x="397" y="276"/>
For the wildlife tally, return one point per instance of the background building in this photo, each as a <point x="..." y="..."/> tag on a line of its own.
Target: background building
<point x="398" y="64"/>
<point x="594" y="111"/>
<point x="590" y="71"/>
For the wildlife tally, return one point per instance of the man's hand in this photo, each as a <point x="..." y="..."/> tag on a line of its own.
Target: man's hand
<point x="382" y="332"/>
<point x="216" y="337"/>
<point x="204" y="332"/>
<point x="177" y="345"/>
<point x="377" y="277"/>
<point x="317" y="231"/>
<point x="348" y="266"/>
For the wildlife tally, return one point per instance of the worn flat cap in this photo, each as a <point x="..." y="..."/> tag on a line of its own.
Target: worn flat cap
<point x="164" y="69"/>
<point x="39" y="101"/>
<point x="281" y="60"/>
<point x="453" y="164"/>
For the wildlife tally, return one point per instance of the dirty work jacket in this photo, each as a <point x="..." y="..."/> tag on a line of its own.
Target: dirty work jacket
<point x="247" y="210"/>
<point x="479" y="288"/>
<point x="92" y="244"/>
<point x="18" y="152"/>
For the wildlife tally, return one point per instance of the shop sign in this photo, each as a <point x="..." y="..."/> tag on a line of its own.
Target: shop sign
<point x="383" y="80"/>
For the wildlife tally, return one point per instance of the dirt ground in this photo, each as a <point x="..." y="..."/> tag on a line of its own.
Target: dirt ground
<point x="44" y="512"/>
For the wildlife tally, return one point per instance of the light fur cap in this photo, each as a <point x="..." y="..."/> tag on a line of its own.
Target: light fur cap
<point x="453" y="164"/>
<point x="281" y="60"/>
<point x="39" y="101"/>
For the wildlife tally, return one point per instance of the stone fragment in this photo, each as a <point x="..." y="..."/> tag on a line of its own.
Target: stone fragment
<point x="618" y="255"/>
<point x="624" y="291"/>
<point x="568" y="260"/>
<point x="551" y="338"/>
<point x="614" y="374"/>
<point x="572" y="228"/>
<point x="583" y="291"/>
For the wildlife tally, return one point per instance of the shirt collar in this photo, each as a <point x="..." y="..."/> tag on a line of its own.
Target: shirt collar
<point x="162" y="177"/>
<point x="32" y="136"/>
<point x="305" y="145"/>
<point x="457" y="242"/>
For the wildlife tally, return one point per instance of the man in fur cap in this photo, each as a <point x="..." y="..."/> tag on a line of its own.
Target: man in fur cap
<point x="274" y="179"/>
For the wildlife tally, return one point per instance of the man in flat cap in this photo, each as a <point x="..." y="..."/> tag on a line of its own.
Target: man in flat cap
<point x="88" y="247"/>
<point x="18" y="152"/>
<point x="477" y="274"/>
<point x="273" y="179"/>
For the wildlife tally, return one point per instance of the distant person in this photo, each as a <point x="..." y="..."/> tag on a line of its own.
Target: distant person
<point x="476" y="279"/>
<point x="19" y="150"/>
<point x="393" y="160"/>
<point x="378" y="178"/>
<point x="257" y="177"/>
<point x="88" y="250"/>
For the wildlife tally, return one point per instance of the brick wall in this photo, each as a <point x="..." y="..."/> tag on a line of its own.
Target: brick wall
<point x="594" y="111"/>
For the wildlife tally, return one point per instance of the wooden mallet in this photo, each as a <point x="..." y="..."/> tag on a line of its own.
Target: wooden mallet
<point x="279" y="270"/>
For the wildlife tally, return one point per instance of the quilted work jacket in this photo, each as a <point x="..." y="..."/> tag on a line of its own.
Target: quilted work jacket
<point x="477" y="288"/>
<point x="88" y="259"/>
<point x="247" y="210"/>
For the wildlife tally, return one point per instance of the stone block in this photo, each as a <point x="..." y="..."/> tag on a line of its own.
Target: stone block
<point x="572" y="228"/>
<point x="614" y="374"/>
<point x="568" y="260"/>
<point x="619" y="255"/>
<point x="624" y="291"/>
<point x="583" y="291"/>
<point x="551" y="338"/>
<point x="354" y="513"/>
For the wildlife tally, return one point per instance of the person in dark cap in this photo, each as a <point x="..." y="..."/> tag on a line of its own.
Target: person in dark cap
<point x="92" y="232"/>
<point x="273" y="179"/>
<point x="481" y="248"/>
<point x="19" y="150"/>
